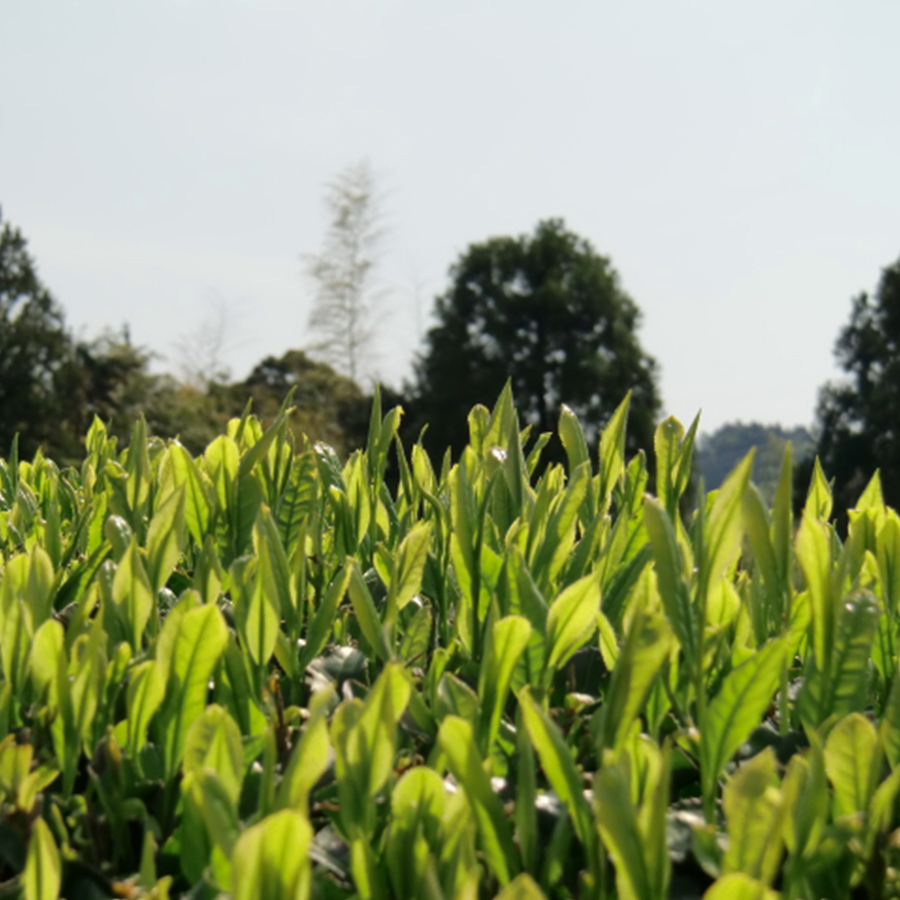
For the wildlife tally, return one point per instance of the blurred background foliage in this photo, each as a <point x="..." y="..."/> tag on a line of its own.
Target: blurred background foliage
<point x="544" y="310"/>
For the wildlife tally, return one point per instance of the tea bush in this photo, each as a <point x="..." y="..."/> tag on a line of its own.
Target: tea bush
<point x="264" y="672"/>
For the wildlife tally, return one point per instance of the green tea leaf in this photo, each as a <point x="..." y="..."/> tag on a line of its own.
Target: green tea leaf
<point x="522" y="887"/>
<point x="880" y="813"/>
<point x="666" y="443"/>
<point x="526" y="824"/>
<point x="672" y="588"/>
<point x="725" y="528"/>
<point x="814" y="554"/>
<point x="417" y="637"/>
<point x="888" y="543"/>
<point x="208" y="801"/>
<point x="271" y="861"/>
<point x="199" y="492"/>
<point x="366" y="614"/>
<point x="378" y="723"/>
<point x="455" y="698"/>
<point x="818" y="500"/>
<point x="298" y="500"/>
<point x="889" y="728"/>
<point x="38" y="594"/>
<point x="271" y="552"/>
<point x="753" y="807"/>
<point x="503" y="416"/>
<point x="133" y="595"/>
<point x="806" y="799"/>
<point x="146" y="689"/>
<point x="233" y="690"/>
<point x="208" y="574"/>
<point x="213" y="741"/>
<point x="257" y="453"/>
<point x="364" y="739"/>
<point x="559" y="535"/>
<point x="509" y="638"/>
<point x="852" y="761"/>
<point x="612" y="451"/>
<point x="87" y="669"/>
<point x="415" y="836"/>
<point x="737" y="709"/>
<point x="322" y="621"/>
<point x="261" y="617"/>
<point x="243" y="514"/>
<point x="42" y="877"/>
<point x="164" y="539"/>
<point x="621" y="835"/>
<point x="457" y="742"/>
<point x="841" y="688"/>
<point x="309" y="758"/>
<point x="558" y="765"/>
<point x="48" y="654"/>
<point x="411" y="558"/>
<point x="738" y="886"/>
<point x="646" y="647"/>
<point x="571" y="620"/>
<point x="137" y="465"/>
<point x="200" y="640"/>
<point x="572" y="437"/>
<point x="756" y="520"/>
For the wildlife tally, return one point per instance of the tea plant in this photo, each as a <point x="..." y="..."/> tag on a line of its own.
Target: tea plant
<point x="264" y="672"/>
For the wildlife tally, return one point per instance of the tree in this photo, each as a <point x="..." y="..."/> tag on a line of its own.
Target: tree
<point x="200" y="354"/>
<point x="858" y="419"/>
<point x="344" y="302"/>
<point x="51" y="386"/>
<point x="330" y="407"/>
<point x="36" y="350"/>
<point x="548" y="312"/>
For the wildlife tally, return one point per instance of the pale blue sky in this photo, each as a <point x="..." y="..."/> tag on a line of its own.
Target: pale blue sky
<point x="738" y="163"/>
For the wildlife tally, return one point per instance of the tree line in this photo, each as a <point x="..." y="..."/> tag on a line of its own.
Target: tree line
<point x="544" y="310"/>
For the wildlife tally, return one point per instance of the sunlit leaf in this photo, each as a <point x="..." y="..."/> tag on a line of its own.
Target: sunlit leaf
<point x="737" y="709"/>
<point x="558" y="765"/>
<point x="753" y="808"/>
<point x="851" y="762"/>
<point x="509" y="638"/>
<point x="42" y="877"/>
<point x="199" y="643"/>
<point x="213" y="741"/>
<point x="571" y="620"/>
<point x="457" y="741"/>
<point x="271" y="860"/>
<point x="646" y="647"/>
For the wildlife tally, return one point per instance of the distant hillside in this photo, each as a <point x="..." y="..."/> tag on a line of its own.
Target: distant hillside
<point x="718" y="453"/>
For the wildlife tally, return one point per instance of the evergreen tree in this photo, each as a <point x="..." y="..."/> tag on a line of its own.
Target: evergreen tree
<point x="859" y="417"/>
<point x="548" y="312"/>
<point x="36" y="350"/>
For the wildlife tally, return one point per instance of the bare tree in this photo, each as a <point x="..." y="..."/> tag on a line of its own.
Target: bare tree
<point x="201" y="353"/>
<point x="345" y="298"/>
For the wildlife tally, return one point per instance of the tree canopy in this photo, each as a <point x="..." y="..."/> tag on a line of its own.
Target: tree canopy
<point x="859" y="417"/>
<point x="329" y="406"/>
<point x="36" y="351"/>
<point x="547" y="312"/>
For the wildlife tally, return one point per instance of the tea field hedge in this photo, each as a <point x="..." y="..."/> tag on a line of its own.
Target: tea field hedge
<point x="266" y="672"/>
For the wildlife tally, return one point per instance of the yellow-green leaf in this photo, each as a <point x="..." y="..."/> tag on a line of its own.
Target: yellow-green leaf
<point x="42" y="877"/>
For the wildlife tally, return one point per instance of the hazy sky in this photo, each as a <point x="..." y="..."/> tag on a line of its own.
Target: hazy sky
<point x="739" y="163"/>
